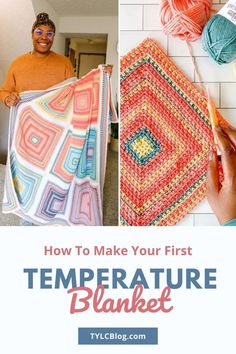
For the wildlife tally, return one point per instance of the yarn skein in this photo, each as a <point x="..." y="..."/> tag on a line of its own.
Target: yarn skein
<point x="185" y="18"/>
<point x="219" y="38"/>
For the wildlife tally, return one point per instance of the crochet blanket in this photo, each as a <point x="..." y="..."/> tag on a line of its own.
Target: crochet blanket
<point x="57" y="152"/>
<point x="166" y="138"/>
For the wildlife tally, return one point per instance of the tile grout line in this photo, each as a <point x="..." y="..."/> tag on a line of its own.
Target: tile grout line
<point x="167" y="46"/>
<point x="201" y="213"/>
<point x="220" y="94"/>
<point x="142" y="18"/>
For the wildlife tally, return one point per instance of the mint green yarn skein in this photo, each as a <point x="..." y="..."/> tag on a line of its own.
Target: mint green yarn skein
<point x="219" y="39"/>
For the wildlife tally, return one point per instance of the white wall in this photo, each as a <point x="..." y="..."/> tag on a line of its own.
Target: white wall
<point x="70" y="26"/>
<point x="16" y="24"/>
<point x="16" y="18"/>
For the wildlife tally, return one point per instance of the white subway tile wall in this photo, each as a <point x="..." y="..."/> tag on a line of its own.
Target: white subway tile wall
<point x="140" y="19"/>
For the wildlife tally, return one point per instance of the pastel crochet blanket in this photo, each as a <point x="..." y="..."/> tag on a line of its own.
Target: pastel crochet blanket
<point x="57" y="152"/>
<point x="166" y="138"/>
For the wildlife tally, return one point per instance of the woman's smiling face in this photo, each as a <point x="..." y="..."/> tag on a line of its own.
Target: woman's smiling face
<point x="43" y="37"/>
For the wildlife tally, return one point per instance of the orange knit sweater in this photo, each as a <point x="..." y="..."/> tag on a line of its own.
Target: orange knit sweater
<point x="29" y="72"/>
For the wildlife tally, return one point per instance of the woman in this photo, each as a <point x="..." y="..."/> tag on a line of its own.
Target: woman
<point x="38" y="69"/>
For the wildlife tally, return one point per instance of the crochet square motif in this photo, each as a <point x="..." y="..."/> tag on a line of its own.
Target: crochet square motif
<point x="166" y="139"/>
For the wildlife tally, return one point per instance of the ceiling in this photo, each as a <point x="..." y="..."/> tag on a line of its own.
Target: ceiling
<point x="91" y="40"/>
<point x="85" y="7"/>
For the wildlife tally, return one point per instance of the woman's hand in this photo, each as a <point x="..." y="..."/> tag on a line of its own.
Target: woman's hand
<point x="12" y="99"/>
<point x="222" y="197"/>
<point x="108" y="69"/>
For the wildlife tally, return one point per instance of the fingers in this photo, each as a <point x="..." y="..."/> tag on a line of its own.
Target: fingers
<point x="231" y="132"/>
<point x="228" y="153"/>
<point x="108" y="69"/>
<point x="15" y="95"/>
<point x="12" y="99"/>
<point x="213" y="184"/>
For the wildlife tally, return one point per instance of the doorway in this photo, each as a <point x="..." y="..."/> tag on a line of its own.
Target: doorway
<point x="86" y="52"/>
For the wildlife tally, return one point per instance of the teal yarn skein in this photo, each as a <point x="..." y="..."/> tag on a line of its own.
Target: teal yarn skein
<point x="219" y="39"/>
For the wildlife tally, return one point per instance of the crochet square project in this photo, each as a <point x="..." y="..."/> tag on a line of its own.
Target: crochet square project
<point x="57" y="152"/>
<point x="166" y="138"/>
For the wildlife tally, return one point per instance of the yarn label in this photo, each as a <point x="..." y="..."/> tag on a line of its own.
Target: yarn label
<point x="229" y="11"/>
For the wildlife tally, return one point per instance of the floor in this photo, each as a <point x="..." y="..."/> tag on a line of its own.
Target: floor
<point x="139" y="19"/>
<point x="110" y="205"/>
